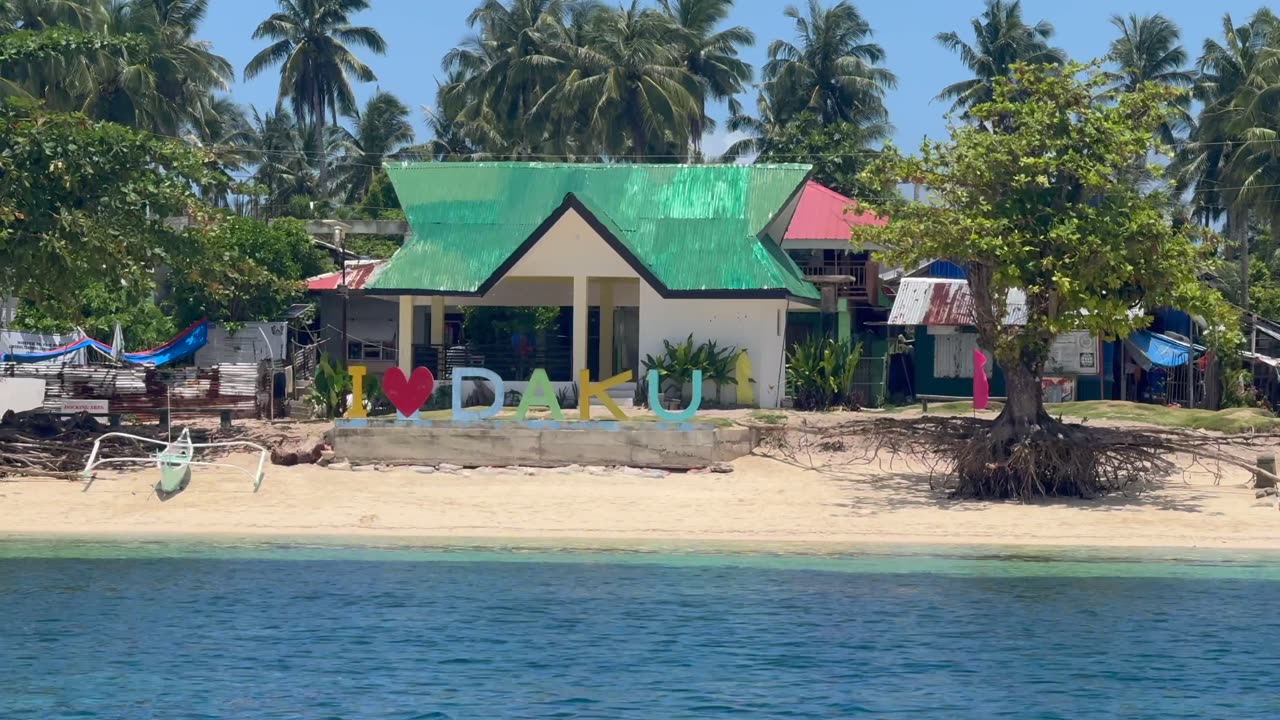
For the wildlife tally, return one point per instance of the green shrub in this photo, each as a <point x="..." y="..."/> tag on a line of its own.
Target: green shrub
<point x="821" y="373"/>
<point x="679" y="361"/>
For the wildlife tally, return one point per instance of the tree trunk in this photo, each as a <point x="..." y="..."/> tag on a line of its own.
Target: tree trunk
<point x="1023" y="412"/>
<point x="321" y="152"/>
<point x="1238" y="220"/>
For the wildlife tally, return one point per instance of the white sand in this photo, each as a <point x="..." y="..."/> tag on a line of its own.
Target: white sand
<point x="764" y="502"/>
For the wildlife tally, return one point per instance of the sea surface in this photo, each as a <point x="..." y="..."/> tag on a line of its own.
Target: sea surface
<point x="178" y="630"/>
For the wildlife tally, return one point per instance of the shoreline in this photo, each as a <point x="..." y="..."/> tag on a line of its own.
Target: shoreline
<point x="764" y="505"/>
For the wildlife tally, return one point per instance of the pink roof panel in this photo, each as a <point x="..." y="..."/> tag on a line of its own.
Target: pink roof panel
<point x="824" y="214"/>
<point x="359" y="272"/>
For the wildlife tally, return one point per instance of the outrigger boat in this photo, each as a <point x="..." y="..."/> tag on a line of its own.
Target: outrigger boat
<point x="174" y="461"/>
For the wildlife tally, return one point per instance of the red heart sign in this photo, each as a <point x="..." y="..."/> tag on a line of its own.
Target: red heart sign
<point x="408" y="395"/>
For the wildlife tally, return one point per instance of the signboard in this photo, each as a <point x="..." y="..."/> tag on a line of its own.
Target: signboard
<point x="12" y="341"/>
<point x="19" y="394"/>
<point x="1075" y="353"/>
<point x="1058" y="389"/>
<point x="95" y="407"/>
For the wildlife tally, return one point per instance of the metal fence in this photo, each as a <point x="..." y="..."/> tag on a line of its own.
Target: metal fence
<point x="508" y="360"/>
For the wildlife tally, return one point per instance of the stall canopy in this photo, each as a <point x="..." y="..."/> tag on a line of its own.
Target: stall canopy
<point x="1152" y="350"/>
<point x="184" y="345"/>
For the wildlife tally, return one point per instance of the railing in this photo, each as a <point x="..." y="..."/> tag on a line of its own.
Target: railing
<point x="855" y="279"/>
<point x="510" y="361"/>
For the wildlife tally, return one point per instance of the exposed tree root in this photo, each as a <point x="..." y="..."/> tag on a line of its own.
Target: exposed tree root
<point x="974" y="458"/>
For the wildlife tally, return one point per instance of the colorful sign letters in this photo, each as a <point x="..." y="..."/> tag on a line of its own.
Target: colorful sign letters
<point x="409" y="394"/>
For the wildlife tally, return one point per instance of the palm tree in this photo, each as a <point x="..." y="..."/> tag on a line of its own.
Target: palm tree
<point x="170" y="84"/>
<point x="1148" y="51"/>
<point x="311" y="45"/>
<point x="1003" y="40"/>
<point x="630" y="85"/>
<point x="277" y="151"/>
<point x="44" y="14"/>
<point x="500" y="73"/>
<point x="709" y="55"/>
<point x="382" y="129"/>
<point x="228" y="136"/>
<point x="832" y="72"/>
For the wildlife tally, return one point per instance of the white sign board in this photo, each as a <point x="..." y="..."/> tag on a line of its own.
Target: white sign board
<point x="20" y="394"/>
<point x="1075" y="353"/>
<point x="97" y="407"/>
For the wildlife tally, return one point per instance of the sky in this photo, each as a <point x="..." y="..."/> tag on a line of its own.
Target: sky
<point x="420" y="32"/>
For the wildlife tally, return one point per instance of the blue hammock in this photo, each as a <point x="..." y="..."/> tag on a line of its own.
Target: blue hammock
<point x="184" y="345"/>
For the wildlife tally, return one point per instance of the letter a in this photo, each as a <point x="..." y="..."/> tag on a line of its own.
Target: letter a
<point x="655" y="398"/>
<point x="540" y="393"/>
<point x="600" y="391"/>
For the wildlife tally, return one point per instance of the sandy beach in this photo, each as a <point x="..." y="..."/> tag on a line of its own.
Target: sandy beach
<point x="765" y="501"/>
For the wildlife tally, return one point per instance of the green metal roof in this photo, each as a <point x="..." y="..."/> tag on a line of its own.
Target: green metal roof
<point x="688" y="229"/>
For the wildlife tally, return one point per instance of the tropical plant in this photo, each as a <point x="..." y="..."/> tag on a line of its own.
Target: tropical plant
<point x="718" y="366"/>
<point x="567" y="397"/>
<point x="311" y="44"/>
<point x="708" y="54"/>
<point x="831" y="71"/>
<point x="382" y="129"/>
<point x="1002" y="40"/>
<point x="1148" y="50"/>
<point x="821" y="372"/>
<point x="839" y="152"/>
<point x="330" y="388"/>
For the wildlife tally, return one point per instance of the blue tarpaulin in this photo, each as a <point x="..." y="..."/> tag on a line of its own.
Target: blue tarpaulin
<point x="1150" y="349"/>
<point x="184" y="345"/>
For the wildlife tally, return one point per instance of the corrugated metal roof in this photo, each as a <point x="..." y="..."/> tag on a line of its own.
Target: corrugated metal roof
<point x="692" y="227"/>
<point x="359" y="272"/>
<point x="946" y="302"/>
<point x="824" y="214"/>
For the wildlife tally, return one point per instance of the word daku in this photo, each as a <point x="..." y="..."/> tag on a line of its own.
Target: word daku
<point x="409" y="394"/>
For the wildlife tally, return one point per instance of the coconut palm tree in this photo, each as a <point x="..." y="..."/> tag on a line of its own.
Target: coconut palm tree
<point x="311" y="44"/>
<point x="381" y="130"/>
<point x="1148" y="51"/>
<point x="277" y="150"/>
<point x="228" y="136"/>
<point x="1003" y="39"/>
<point x="710" y="55"/>
<point x="44" y="14"/>
<point x="170" y="84"/>
<point x="831" y="71"/>
<point x="630" y="85"/>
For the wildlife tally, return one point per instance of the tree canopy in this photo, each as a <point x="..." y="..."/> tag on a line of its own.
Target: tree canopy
<point x="1039" y="196"/>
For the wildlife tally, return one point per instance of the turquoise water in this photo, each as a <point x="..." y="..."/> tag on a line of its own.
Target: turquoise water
<point x="174" y="630"/>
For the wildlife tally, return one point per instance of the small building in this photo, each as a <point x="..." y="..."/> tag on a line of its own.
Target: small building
<point x="620" y="258"/>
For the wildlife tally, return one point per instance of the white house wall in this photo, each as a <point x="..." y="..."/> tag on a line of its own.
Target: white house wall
<point x="571" y="248"/>
<point x="757" y="326"/>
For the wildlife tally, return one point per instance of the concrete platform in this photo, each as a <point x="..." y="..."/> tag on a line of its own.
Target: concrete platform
<point x="540" y="443"/>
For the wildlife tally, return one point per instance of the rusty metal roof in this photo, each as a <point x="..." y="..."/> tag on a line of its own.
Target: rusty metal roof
<point x="945" y="302"/>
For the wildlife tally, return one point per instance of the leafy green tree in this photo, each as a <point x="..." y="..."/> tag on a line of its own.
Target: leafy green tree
<point x="143" y="323"/>
<point x="1003" y="39"/>
<point x="311" y="40"/>
<point x="839" y="152"/>
<point x="239" y="269"/>
<point x="832" y="71"/>
<point x="1046" y="207"/>
<point x="382" y="130"/>
<point x="84" y="200"/>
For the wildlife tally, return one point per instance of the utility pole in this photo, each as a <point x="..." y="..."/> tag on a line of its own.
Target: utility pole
<point x="339" y="230"/>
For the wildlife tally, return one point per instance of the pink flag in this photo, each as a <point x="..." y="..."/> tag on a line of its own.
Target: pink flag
<point x="981" y="393"/>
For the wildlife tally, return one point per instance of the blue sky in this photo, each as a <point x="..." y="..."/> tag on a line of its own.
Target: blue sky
<point x="419" y="32"/>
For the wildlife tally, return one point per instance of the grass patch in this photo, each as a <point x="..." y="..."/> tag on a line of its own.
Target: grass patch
<point x="1231" y="420"/>
<point x="769" y="417"/>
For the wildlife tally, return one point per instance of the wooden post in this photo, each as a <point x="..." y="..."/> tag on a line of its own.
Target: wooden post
<point x="224" y="419"/>
<point x="1267" y="462"/>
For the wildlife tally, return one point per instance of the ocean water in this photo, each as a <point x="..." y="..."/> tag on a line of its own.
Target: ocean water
<point x="175" y="631"/>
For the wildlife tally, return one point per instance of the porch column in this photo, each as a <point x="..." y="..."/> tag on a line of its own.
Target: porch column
<point x="437" y="320"/>
<point x="606" y="329"/>
<point x="404" y="353"/>
<point x="579" y="323"/>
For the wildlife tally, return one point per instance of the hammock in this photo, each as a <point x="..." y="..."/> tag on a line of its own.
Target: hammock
<point x="184" y="345"/>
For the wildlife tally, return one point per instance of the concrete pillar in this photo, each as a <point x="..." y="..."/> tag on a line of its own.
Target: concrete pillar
<point x="579" y="323"/>
<point x="437" y="320"/>
<point x="404" y="353"/>
<point x="844" y="330"/>
<point x="606" y="329"/>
